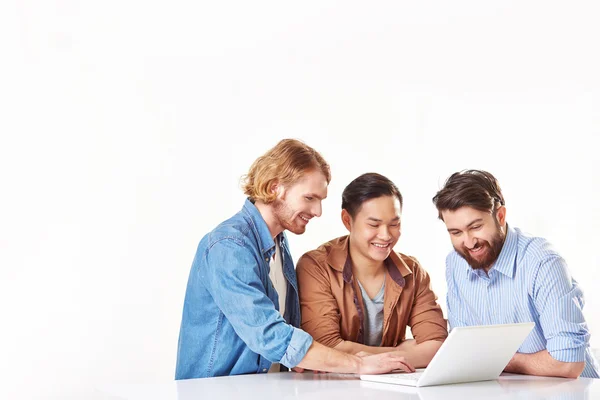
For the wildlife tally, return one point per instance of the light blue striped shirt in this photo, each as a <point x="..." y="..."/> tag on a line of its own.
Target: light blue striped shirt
<point x="529" y="281"/>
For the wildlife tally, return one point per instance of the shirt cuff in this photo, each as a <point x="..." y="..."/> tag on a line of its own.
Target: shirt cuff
<point x="297" y="348"/>
<point x="569" y="355"/>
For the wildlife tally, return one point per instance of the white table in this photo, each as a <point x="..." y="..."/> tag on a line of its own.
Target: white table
<point x="290" y="385"/>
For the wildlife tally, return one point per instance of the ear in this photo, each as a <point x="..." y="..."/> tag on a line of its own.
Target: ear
<point x="276" y="188"/>
<point x="501" y="215"/>
<point x="347" y="220"/>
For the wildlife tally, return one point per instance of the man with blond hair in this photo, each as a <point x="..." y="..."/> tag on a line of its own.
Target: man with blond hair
<point x="241" y="312"/>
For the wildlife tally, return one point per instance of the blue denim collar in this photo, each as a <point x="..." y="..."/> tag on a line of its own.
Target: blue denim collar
<point x="266" y="242"/>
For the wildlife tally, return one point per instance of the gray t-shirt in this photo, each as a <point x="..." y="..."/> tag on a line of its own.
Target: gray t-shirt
<point x="373" y="323"/>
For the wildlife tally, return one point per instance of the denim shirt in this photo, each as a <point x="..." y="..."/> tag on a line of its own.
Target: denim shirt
<point x="231" y="323"/>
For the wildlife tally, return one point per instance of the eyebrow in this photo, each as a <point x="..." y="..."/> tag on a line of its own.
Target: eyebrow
<point x="315" y="195"/>
<point x="380" y="220"/>
<point x="468" y="226"/>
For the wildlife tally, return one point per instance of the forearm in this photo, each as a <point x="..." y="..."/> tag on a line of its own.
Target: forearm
<point x="352" y="348"/>
<point x="542" y="364"/>
<point x="323" y="358"/>
<point x="419" y="355"/>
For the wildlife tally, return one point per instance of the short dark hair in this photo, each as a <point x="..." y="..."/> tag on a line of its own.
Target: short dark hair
<point x="366" y="187"/>
<point x="469" y="188"/>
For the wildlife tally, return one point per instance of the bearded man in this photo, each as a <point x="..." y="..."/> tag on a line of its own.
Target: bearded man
<point x="241" y="313"/>
<point x="499" y="275"/>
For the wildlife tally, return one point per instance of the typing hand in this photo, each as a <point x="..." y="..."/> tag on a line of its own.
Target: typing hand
<point x="382" y="363"/>
<point x="298" y="369"/>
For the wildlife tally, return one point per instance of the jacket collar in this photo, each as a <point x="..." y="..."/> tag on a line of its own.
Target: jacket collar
<point x="339" y="259"/>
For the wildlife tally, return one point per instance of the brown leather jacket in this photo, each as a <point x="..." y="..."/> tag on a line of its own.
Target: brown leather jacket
<point x="332" y="305"/>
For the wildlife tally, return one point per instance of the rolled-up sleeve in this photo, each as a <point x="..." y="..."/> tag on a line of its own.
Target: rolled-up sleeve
<point x="426" y="319"/>
<point x="319" y="309"/>
<point x="231" y="275"/>
<point x="297" y="348"/>
<point x="559" y="302"/>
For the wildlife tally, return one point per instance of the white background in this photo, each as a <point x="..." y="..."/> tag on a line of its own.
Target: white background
<point x="126" y="125"/>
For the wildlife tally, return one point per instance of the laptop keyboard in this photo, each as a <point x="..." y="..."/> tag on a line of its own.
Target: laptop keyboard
<point x="414" y="376"/>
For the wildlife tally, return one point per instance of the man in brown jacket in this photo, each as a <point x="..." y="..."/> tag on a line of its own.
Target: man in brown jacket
<point x="357" y="294"/>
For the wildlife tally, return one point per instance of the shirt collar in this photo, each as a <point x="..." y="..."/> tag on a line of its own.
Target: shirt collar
<point x="266" y="242"/>
<point x="339" y="259"/>
<point x="505" y="261"/>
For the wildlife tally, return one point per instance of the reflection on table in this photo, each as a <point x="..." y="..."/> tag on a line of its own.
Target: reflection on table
<point x="282" y="386"/>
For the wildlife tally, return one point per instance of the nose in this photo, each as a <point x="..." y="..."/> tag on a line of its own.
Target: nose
<point x="470" y="241"/>
<point x="317" y="209"/>
<point x="384" y="233"/>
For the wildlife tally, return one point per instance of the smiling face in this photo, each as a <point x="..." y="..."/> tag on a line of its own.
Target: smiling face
<point x="478" y="236"/>
<point x="374" y="230"/>
<point x="297" y="204"/>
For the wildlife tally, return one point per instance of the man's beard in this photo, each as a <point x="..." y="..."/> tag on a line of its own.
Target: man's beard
<point x="491" y="251"/>
<point x="285" y="216"/>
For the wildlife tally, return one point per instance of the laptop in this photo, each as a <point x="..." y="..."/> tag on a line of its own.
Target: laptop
<point x="469" y="354"/>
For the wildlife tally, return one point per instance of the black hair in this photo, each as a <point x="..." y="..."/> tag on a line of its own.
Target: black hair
<point x="366" y="187"/>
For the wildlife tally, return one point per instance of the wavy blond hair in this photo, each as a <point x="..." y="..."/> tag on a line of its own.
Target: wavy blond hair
<point x="285" y="164"/>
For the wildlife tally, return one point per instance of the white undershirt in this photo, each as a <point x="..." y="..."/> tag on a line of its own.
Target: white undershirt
<point x="280" y="285"/>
